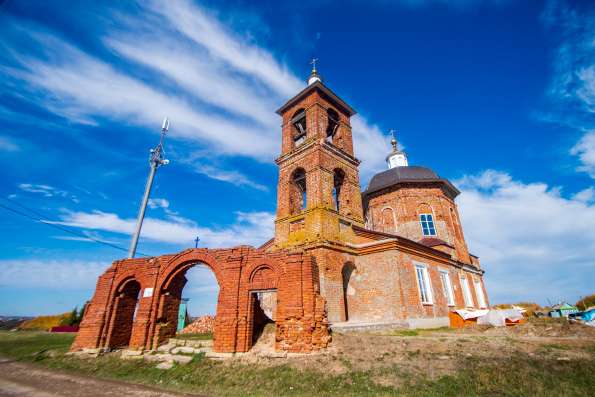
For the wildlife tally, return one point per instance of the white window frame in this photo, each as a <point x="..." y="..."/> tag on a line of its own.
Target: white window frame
<point x="466" y="291"/>
<point x="447" y="287"/>
<point x="424" y="286"/>
<point x="481" y="301"/>
<point x="421" y="224"/>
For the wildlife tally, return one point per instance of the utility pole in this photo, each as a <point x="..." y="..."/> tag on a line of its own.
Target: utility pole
<point x="155" y="161"/>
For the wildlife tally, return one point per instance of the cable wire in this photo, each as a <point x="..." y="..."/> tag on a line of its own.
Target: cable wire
<point x="57" y="226"/>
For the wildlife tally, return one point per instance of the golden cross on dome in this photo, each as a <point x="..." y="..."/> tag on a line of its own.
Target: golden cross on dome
<point x="313" y="63"/>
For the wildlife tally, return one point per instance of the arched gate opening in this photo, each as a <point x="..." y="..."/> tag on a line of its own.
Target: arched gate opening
<point x="123" y="314"/>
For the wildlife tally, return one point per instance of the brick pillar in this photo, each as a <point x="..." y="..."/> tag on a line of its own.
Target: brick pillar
<point x="93" y="324"/>
<point x="229" y="329"/>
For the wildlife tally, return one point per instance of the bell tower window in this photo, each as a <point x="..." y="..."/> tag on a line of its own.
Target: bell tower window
<point x="298" y="196"/>
<point x="338" y="179"/>
<point x="332" y="124"/>
<point x="298" y="121"/>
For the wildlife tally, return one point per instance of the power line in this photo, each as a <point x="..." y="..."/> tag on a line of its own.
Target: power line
<point x="55" y="226"/>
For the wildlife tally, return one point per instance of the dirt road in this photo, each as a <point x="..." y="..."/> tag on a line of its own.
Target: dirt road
<point x="18" y="379"/>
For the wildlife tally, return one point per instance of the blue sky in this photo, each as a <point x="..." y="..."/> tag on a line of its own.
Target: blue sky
<point x="498" y="96"/>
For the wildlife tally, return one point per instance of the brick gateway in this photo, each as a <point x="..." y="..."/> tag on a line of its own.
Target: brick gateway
<point x="153" y="286"/>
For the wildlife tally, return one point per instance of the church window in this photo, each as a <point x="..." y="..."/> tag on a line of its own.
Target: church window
<point x="479" y="294"/>
<point x="466" y="291"/>
<point x="338" y="179"/>
<point x="299" y="127"/>
<point x="427" y="224"/>
<point x="298" y="196"/>
<point x="447" y="287"/>
<point x="423" y="283"/>
<point x="388" y="220"/>
<point x="332" y="125"/>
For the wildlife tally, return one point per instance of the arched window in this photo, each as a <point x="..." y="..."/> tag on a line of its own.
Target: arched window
<point x="332" y="124"/>
<point x="388" y="220"/>
<point x="426" y="220"/>
<point x="298" y="121"/>
<point x="297" y="195"/>
<point x="338" y="179"/>
<point x="427" y="224"/>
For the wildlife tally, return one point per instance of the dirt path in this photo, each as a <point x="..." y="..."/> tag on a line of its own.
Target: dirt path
<point x="19" y="379"/>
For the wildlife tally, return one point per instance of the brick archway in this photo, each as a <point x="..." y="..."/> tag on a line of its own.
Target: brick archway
<point x="261" y="278"/>
<point x="240" y="272"/>
<point x="122" y="314"/>
<point x="168" y="292"/>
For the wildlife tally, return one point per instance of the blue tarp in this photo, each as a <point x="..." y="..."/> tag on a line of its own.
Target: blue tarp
<point x="588" y="315"/>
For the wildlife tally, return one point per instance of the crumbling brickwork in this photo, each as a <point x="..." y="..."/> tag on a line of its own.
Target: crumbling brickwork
<point x="241" y="272"/>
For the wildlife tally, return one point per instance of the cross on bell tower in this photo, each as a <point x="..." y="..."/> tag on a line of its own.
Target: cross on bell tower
<point x="314" y="76"/>
<point x="318" y="194"/>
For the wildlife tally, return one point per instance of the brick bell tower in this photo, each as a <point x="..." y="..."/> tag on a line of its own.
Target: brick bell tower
<point x="318" y="194"/>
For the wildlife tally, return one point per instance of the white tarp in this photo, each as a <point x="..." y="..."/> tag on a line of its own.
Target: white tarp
<point x="497" y="318"/>
<point x="467" y="314"/>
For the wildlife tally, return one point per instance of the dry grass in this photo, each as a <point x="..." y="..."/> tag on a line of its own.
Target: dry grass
<point x="433" y="363"/>
<point x="44" y="323"/>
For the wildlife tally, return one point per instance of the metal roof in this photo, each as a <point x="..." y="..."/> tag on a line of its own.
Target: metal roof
<point x="325" y="90"/>
<point x="410" y="174"/>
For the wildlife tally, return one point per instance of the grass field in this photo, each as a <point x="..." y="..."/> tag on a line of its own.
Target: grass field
<point x="518" y="374"/>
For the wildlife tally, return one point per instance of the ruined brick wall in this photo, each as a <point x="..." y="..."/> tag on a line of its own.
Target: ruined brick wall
<point x="406" y="203"/>
<point x="240" y="272"/>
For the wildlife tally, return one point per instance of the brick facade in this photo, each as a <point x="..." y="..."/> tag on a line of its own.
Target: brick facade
<point x="368" y="275"/>
<point x="322" y="266"/>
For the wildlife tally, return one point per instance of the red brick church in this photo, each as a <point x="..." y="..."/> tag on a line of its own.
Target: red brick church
<point x="393" y="255"/>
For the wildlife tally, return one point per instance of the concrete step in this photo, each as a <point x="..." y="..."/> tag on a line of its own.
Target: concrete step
<point x="191" y="342"/>
<point x="363" y="327"/>
<point x="191" y="350"/>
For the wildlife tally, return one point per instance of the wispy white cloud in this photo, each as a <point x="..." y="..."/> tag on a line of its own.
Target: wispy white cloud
<point x="252" y="228"/>
<point x="585" y="195"/>
<point x="572" y="89"/>
<point x="8" y="145"/>
<point x="534" y="243"/>
<point x="158" y="203"/>
<point x="50" y="274"/>
<point x="200" y="76"/>
<point x="370" y="145"/>
<point x="585" y="150"/>
<point x="219" y="87"/>
<point x="92" y="237"/>
<point x="47" y="191"/>
<point x="235" y="50"/>
<point x="233" y="177"/>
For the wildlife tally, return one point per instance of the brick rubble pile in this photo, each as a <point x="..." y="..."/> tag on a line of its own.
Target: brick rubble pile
<point x="200" y="325"/>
